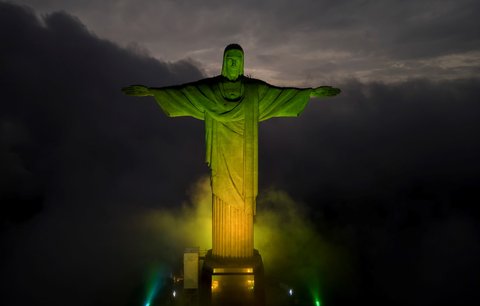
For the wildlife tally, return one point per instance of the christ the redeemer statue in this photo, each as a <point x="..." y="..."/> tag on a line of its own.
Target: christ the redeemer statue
<point x="232" y="105"/>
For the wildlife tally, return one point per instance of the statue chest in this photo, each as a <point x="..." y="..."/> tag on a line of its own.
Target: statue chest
<point x="232" y="90"/>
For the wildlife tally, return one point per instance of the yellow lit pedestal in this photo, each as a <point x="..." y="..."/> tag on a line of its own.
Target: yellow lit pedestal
<point x="235" y="282"/>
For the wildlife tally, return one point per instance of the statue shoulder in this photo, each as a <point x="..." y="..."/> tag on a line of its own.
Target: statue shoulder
<point x="202" y="84"/>
<point x="214" y="79"/>
<point x="254" y="82"/>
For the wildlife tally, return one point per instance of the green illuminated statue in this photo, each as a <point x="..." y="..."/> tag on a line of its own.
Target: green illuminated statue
<point x="232" y="105"/>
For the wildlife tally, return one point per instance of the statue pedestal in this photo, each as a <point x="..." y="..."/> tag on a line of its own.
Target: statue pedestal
<point x="236" y="282"/>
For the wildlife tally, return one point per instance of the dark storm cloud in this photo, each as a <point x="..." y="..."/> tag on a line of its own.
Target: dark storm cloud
<point x="377" y="133"/>
<point x="61" y="93"/>
<point x="76" y="155"/>
<point x="388" y="40"/>
<point x="391" y="173"/>
<point x="387" y="172"/>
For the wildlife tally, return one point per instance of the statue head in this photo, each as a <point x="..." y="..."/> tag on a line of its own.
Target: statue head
<point x="232" y="62"/>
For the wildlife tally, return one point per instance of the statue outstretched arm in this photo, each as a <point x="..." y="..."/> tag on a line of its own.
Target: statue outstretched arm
<point x="324" y="91"/>
<point x="175" y="101"/>
<point x="289" y="101"/>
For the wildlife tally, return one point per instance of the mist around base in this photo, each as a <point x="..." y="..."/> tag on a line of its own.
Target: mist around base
<point x="300" y="266"/>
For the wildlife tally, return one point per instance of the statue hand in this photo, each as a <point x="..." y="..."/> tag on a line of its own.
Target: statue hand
<point x="325" y="91"/>
<point x="137" y="90"/>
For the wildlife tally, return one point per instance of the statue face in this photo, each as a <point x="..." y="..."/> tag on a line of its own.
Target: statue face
<point x="233" y="64"/>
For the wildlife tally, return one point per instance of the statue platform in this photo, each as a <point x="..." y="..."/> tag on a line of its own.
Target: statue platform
<point x="236" y="282"/>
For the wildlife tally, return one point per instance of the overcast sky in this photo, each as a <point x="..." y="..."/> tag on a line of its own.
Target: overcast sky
<point x="384" y="178"/>
<point x="306" y="42"/>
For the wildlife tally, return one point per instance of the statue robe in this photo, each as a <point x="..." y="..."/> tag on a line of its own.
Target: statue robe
<point x="231" y="134"/>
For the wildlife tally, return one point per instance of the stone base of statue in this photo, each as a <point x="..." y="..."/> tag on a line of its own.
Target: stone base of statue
<point x="235" y="282"/>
